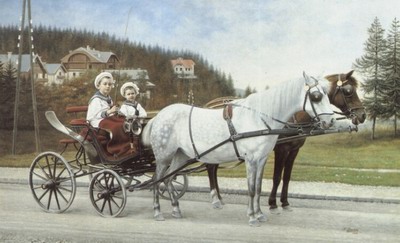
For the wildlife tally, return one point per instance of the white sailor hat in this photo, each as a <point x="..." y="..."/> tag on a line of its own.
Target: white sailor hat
<point x="129" y="85"/>
<point x="101" y="76"/>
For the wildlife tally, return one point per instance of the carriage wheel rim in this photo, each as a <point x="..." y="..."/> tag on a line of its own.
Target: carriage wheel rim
<point x="107" y="193"/>
<point x="52" y="182"/>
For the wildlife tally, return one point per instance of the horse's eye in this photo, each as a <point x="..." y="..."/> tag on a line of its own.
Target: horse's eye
<point x="347" y="90"/>
<point x="316" y="96"/>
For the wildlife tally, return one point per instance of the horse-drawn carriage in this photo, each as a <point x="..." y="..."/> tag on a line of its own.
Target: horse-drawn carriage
<point x="52" y="178"/>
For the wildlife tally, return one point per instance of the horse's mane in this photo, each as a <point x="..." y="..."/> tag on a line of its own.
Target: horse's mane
<point x="270" y="102"/>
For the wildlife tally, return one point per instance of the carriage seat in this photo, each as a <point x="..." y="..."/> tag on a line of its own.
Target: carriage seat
<point x="77" y="123"/>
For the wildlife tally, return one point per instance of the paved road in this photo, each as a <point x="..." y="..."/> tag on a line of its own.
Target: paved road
<point x="311" y="221"/>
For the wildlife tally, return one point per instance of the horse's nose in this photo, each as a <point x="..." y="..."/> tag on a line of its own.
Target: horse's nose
<point x="327" y="125"/>
<point x="363" y="117"/>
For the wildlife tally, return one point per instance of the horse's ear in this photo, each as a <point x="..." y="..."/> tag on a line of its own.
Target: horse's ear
<point x="307" y="79"/>
<point x="348" y="75"/>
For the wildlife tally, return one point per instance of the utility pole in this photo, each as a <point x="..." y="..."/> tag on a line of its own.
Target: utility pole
<point x="32" y="76"/>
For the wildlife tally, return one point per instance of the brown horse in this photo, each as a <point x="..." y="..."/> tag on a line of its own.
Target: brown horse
<point x="343" y="95"/>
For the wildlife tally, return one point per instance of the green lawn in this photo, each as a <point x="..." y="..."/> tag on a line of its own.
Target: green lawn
<point x="329" y="158"/>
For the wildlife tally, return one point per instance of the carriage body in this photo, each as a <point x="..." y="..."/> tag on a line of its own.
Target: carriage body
<point x="52" y="177"/>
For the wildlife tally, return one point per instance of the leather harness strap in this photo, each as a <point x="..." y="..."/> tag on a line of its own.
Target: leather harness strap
<point x="227" y="114"/>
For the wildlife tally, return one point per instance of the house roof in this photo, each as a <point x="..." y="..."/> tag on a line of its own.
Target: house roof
<point x="52" y="68"/>
<point x="187" y="63"/>
<point x="95" y="55"/>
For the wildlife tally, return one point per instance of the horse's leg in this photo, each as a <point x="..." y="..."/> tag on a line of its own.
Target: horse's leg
<point x="179" y="160"/>
<point x="251" y="169"/>
<point x="257" y="208"/>
<point x="214" y="188"/>
<point x="286" y="178"/>
<point x="160" y="170"/>
<point x="280" y="156"/>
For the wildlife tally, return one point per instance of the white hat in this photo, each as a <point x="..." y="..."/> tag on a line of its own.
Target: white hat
<point x="101" y="76"/>
<point x="129" y="85"/>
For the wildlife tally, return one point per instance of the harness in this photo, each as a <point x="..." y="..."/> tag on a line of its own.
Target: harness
<point x="341" y="88"/>
<point x="234" y="136"/>
<point x="227" y="114"/>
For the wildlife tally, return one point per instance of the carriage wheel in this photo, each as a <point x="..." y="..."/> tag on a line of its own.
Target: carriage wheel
<point x="127" y="179"/>
<point x="107" y="193"/>
<point x="52" y="182"/>
<point x="180" y="183"/>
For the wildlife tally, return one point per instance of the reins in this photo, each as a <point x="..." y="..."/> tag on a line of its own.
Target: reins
<point x="291" y="129"/>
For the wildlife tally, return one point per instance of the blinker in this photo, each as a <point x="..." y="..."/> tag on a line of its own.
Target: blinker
<point x="347" y="90"/>
<point x="315" y="96"/>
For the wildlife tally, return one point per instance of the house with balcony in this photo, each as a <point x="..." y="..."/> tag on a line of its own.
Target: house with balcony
<point x="183" y="68"/>
<point x="84" y="59"/>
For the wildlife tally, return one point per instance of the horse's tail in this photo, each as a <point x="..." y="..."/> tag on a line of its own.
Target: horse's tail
<point x="146" y="133"/>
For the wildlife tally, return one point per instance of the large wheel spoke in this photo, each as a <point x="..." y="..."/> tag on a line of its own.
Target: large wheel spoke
<point x="62" y="195"/>
<point x="109" y="206"/>
<point x="49" y="200"/>
<point x="44" y="193"/>
<point x="52" y="182"/>
<point x="56" y="198"/>
<point x="41" y="176"/>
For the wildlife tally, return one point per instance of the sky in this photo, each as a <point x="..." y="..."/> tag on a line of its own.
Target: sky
<point x="258" y="42"/>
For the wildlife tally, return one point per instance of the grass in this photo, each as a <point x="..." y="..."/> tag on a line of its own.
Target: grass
<point x="328" y="158"/>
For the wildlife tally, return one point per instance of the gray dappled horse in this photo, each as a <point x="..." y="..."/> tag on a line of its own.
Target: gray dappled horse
<point x="179" y="133"/>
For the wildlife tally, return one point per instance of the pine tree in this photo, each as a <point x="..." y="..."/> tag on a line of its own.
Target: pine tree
<point x="392" y="73"/>
<point x="370" y="65"/>
<point x="7" y="98"/>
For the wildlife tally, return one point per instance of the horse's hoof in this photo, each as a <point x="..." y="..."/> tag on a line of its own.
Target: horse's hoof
<point x="159" y="217"/>
<point x="254" y="223"/>
<point x="287" y="208"/>
<point x="217" y="205"/>
<point x="176" y="214"/>
<point x="262" y="218"/>
<point x="274" y="211"/>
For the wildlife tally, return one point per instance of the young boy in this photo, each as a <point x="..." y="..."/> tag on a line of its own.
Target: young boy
<point x="101" y="105"/>
<point x="130" y="107"/>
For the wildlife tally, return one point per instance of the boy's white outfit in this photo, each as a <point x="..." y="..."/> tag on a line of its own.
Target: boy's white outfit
<point x="97" y="109"/>
<point x="130" y="109"/>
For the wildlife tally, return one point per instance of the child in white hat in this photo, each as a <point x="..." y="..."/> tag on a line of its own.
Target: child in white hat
<point x="101" y="105"/>
<point x="130" y="107"/>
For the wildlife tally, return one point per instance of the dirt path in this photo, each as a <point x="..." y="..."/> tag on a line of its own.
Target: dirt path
<point x="311" y="221"/>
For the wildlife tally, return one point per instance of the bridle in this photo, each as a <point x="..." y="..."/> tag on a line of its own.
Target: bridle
<point x="314" y="97"/>
<point x="346" y="91"/>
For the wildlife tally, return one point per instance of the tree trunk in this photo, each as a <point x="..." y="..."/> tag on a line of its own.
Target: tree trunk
<point x="373" y="128"/>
